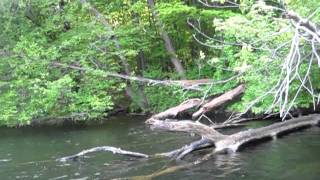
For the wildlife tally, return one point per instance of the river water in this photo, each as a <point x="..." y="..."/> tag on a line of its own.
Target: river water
<point x="30" y="153"/>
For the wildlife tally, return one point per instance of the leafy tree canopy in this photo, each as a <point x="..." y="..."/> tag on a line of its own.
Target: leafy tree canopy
<point x="54" y="55"/>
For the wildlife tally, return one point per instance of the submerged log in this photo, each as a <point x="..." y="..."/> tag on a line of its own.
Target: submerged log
<point x="182" y="152"/>
<point x="218" y="101"/>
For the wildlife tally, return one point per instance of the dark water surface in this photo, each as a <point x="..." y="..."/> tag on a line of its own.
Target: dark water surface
<point x="30" y="154"/>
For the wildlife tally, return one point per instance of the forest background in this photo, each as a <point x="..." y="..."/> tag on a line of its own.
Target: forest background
<point x="71" y="59"/>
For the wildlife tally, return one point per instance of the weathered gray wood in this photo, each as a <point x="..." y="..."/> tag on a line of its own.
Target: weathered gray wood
<point x="218" y="101"/>
<point x="174" y="111"/>
<point x="191" y="85"/>
<point x="200" y="129"/>
<point x="183" y="151"/>
<point x="234" y="141"/>
<point x="114" y="150"/>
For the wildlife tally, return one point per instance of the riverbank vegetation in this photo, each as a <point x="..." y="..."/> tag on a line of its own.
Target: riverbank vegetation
<point x="84" y="59"/>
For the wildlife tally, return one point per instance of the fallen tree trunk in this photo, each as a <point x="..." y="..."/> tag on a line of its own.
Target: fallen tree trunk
<point x="218" y="101"/>
<point x="198" y="128"/>
<point x="231" y="143"/>
<point x="174" y="111"/>
<point x="196" y="102"/>
<point x="234" y="141"/>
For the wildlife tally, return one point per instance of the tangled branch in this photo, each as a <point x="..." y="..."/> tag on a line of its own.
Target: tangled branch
<point x="291" y="71"/>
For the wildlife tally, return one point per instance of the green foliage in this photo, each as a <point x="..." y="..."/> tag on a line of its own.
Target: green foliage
<point x="37" y="88"/>
<point x="35" y="36"/>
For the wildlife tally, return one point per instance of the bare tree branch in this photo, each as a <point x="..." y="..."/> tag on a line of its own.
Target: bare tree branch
<point x="213" y="4"/>
<point x="114" y="150"/>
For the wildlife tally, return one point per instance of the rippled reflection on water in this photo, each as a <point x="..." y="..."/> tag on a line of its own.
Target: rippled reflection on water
<point x="30" y="154"/>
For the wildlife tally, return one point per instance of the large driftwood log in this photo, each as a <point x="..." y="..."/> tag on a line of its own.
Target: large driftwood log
<point x="218" y="101"/>
<point x="234" y="141"/>
<point x="196" y="102"/>
<point x="174" y="111"/>
<point x="187" y="126"/>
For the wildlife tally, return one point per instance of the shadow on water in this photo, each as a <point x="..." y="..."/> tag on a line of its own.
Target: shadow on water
<point x="30" y="153"/>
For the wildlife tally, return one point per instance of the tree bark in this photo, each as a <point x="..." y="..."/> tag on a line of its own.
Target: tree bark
<point x="174" y="111"/>
<point x="196" y="102"/>
<point x="168" y="44"/>
<point x="200" y="129"/>
<point x="218" y="101"/>
<point x="140" y="68"/>
<point x="234" y="141"/>
<point x="129" y="90"/>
